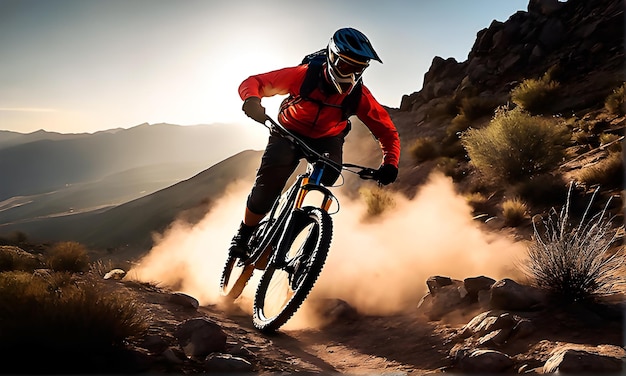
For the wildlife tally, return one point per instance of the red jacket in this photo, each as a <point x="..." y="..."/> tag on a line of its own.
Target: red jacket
<point x="313" y="120"/>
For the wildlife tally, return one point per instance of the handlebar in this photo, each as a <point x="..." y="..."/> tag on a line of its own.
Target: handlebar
<point x="365" y="173"/>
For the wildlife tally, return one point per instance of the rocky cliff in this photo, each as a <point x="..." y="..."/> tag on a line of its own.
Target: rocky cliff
<point x="582" y="41"/>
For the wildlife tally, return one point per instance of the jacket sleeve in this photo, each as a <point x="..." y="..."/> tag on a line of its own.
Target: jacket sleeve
<point x="279" y="82"/>
<point x="377" y="119"/>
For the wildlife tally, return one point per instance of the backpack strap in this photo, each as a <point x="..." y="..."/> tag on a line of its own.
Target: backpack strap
<point x="312" y="80"/>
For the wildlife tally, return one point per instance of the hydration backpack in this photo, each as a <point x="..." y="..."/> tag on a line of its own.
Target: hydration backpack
<point x="313" y="77"/>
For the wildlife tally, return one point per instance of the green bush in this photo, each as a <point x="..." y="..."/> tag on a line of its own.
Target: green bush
<point x="535" y="95"/>
<point x="576" y="262"/>
<point x="68" y="256"/>
<point x="516" y="146"/>
<point x="614" y="103"/>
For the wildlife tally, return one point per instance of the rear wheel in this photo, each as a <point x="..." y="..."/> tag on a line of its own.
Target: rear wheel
<point x="286" y="282"/>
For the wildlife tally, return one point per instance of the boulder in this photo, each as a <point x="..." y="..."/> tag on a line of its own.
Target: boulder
<point x="509" y="295"/>
<point x="199" y="337"/>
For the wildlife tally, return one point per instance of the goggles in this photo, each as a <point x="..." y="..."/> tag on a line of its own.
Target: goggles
<point x="345" y="66"/>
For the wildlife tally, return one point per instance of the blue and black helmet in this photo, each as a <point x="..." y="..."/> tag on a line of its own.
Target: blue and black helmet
<point x="349" y="53"/>
<point x="354" y="44"/>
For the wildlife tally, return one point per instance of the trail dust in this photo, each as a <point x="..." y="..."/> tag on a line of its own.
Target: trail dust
<point x="378" y="266"/>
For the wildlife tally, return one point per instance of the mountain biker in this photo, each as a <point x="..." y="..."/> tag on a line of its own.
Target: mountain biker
<point x="317" y="119"/>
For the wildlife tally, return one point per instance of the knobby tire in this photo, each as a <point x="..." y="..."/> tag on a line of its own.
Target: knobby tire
<point x="315" y="234"/>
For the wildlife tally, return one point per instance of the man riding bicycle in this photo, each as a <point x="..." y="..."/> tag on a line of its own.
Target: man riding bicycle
<point x="319" y="117"/>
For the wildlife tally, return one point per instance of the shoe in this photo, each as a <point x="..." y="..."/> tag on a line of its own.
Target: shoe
<point x="239" y="244"/>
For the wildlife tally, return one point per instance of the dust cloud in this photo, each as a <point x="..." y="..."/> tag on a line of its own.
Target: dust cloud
<point x="378" y="266"/>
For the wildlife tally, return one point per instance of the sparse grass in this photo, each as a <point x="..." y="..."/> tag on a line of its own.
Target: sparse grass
<point x="609" y="172"/>
<point x="514" y="211"/>
<point x="424" y="149"/>
<point x="614" y="103"/>
<point x="516" y="146"/>
<point x="378" y="200"/>
<point x="576" y="263"/>
<point x="535" y="95"/>
<point x="68" y="256"/>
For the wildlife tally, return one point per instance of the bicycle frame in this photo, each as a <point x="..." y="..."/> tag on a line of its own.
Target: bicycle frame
<point x="292" y="200"/>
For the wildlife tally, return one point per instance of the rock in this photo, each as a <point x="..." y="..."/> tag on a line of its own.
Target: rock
<point x="154" y="343"/>
<point x="566" y="359"/>
<point x="226" y="363"/>
<point x="509" y="295"/>
<point x="474" y="285"/>
<point x="199" y="337"/>
<point x="184" y="300"/>
<point x="485" y="361"/>
<point x="435" y="283"/>
<point x="116" y="274"/>
<point x="334" y="310"/>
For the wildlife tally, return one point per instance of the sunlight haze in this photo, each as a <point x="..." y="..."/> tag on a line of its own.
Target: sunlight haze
<point x="75" y="66"/>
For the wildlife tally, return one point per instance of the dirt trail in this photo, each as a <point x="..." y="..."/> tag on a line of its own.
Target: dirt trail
<point x="365" y="345"/>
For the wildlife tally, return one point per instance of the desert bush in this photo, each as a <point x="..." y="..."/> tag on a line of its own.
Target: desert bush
<point x="614" y="103"/>
<point x="68" y="256"/>
<point x="62" y="313"/>
<point x="514" y="211"/>
<point x="377" y="200"/>
<point x="424" y="149"/>
<point x="473" y="108"/>
<point x="610" y="141"/>
<point x="534" y="95"/>
<point x="542" y="190"/>
<point x="457" y="125"/>
<point x="516" y="146"/>
<point x="576" y="263"/>
<point x="609" y="172"/>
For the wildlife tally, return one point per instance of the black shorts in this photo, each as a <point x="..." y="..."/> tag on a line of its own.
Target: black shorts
<point x="280" y="160"/>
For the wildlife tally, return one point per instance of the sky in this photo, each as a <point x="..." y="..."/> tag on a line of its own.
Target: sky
<point x="74" y="66"/>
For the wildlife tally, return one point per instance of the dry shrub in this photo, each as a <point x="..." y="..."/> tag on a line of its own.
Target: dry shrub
<point x="377" y="200"/>
<point x="424" y="149"/>
<point x="68" y="256"/>
<point x="61" y="314"/>
<point x="542" y="190"/>
<point x="14" y="258"/>
<point x="514" y="211"/>
<point x="609" y="172"/>
<point x="535" y="95"/>
<point x="576" y="263"/>
<point x="614" y="103"/>
<point x="610" y="141"/>
<point x="473" y="108"/>
<point x="516" y="146"/>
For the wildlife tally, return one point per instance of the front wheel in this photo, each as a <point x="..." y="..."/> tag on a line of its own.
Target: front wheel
<point x="288" y="279"/>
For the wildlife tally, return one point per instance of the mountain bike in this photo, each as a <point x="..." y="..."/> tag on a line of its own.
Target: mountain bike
<point x="291" y="243"/>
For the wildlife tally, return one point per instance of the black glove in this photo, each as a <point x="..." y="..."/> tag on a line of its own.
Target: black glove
<point x="252" y="107"/>
<point x="386" y="174"/>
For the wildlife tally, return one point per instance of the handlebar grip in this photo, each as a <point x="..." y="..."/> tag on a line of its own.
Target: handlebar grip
<point x="367" y="174"/>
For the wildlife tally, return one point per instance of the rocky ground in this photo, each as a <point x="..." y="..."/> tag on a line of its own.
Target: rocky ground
<point x="407" y="343"/>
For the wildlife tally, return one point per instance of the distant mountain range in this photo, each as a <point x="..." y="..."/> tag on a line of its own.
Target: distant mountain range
<point x="50" y="174"/>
